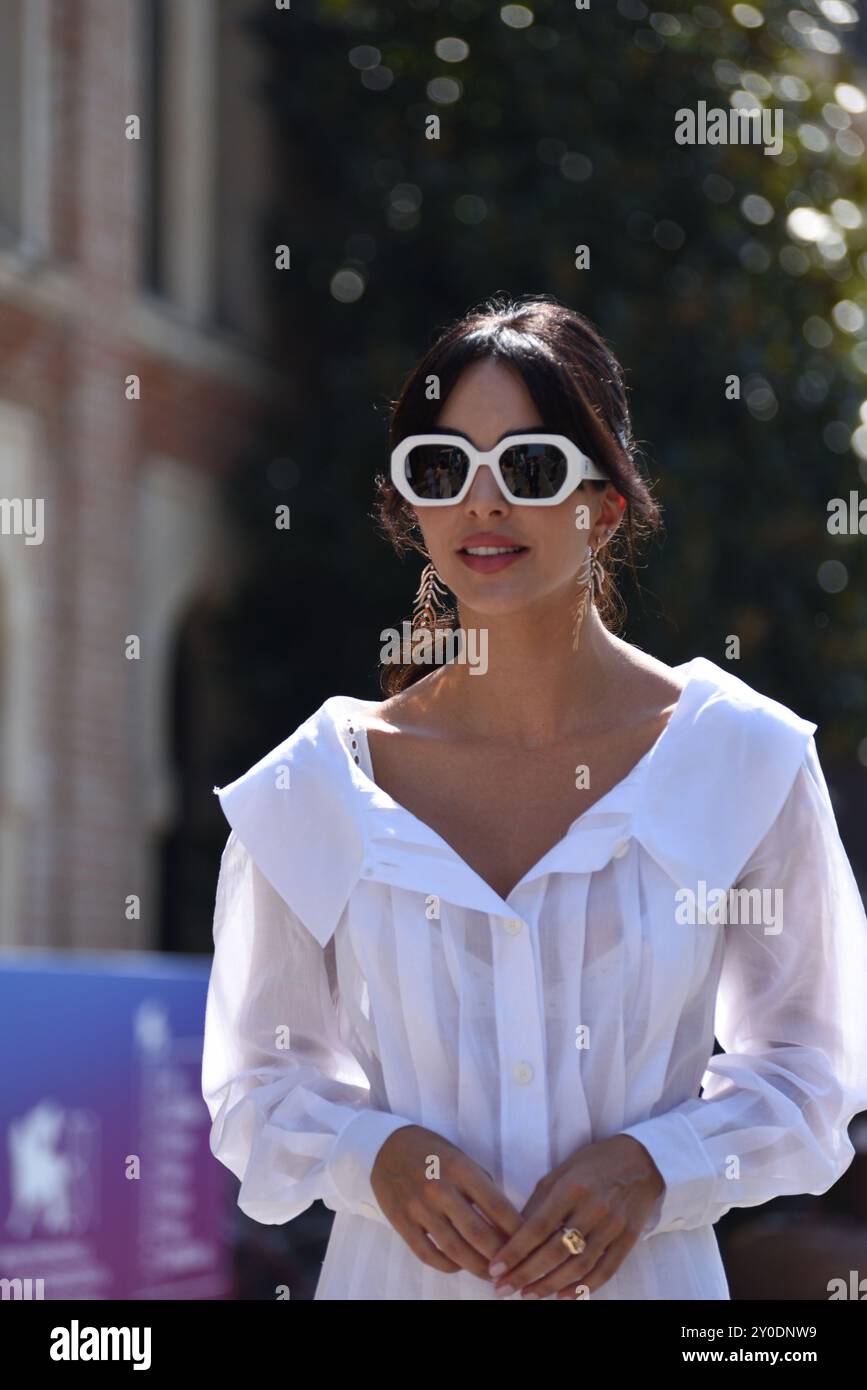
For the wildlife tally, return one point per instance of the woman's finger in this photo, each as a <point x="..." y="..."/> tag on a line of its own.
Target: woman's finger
<point x="564" y="1270"/>
<point x="448" y="1238"/>
<point x="542" y="1269"/>
<point x="475" y="1227"/>
<point x="488" y="1197"/>
<point x="535" y="1230"/>
<point x="608" y="1263"/>
<point x="420" y="1245"/>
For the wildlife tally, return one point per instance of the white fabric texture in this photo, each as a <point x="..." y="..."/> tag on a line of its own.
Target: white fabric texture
<point x="365" y="977"/>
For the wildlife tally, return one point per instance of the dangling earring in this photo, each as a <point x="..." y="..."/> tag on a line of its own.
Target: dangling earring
<point x="591" y="578"/>
<point x="429" y="598"/>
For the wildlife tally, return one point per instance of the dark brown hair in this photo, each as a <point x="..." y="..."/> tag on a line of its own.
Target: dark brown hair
<point x="577" y="386"/>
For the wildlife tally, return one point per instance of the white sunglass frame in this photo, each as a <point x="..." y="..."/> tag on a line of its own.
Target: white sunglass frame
<point x="578" y="467"/>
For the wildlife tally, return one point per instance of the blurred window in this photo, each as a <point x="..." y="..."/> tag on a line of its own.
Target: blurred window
<point x="27" y="153"/>
<point x="11" y="120"/>
<point x="204" y="167"/>
<point x="153" y="134"/>
<point x="178" y="84"/>
<point x="241" y="175"/>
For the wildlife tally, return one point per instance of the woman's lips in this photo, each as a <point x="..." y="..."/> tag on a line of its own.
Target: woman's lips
<point x="489" y="564"/>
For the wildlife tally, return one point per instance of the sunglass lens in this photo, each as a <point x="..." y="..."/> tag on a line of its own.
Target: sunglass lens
<point x="436" y="472"/>
<point x="534" y="470"/>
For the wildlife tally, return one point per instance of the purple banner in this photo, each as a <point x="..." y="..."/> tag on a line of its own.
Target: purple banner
<point x="108" y="1189"/>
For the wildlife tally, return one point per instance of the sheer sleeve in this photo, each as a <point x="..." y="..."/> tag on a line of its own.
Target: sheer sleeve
<point x="790" y="1016"/>
<point x="289" y="1103"/>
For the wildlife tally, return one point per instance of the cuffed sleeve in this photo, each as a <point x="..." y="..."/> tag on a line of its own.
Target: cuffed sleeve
<point x="790" y="1016"/>
<point x="288" y="1101"/>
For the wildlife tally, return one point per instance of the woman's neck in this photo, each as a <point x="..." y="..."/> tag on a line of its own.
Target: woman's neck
<point x="536" y="689"/>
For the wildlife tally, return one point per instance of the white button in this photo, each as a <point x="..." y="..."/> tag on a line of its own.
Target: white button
<point x="512" y="925"/>
<point x="368" y="1207"/>
<point x="620" y="848"/>
<point x="523" y="1073"/>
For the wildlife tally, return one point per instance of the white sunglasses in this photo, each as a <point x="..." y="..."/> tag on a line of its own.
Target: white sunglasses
<point x="531" y="469"/>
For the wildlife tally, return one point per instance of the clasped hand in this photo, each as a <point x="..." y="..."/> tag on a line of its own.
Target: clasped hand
<point x="463" y="1221"/>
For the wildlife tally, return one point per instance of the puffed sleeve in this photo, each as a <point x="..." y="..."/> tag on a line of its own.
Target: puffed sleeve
<point x="289" y="1103"/>
<point x="790" y="1016"/>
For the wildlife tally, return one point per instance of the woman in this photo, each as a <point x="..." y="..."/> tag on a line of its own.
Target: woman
<point x="473" y="943"/>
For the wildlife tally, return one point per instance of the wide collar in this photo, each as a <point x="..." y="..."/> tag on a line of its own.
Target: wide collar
<point x="699" y="803"/>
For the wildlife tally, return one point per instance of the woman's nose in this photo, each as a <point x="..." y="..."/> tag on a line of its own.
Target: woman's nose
<point x="485" y="490"/>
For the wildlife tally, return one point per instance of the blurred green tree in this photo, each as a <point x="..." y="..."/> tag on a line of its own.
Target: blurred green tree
<point x="557" y="129"/>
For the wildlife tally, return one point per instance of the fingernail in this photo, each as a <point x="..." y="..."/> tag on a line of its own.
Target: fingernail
<point x="496" y="1269"/>
<point x="528" y="1296"/>
<point x="505" y="1291"/>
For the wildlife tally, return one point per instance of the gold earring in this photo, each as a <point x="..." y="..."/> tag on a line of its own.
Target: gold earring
<point x="429" y="604"/>
<point x="591" y="578"/>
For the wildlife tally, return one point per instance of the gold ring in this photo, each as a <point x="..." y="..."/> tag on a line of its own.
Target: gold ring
<point x="573" y="1240"/>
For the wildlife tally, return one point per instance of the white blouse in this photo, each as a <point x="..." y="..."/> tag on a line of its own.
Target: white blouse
<point x="365" y="977"/>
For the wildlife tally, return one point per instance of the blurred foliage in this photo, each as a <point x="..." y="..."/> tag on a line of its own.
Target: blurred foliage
<point x="557" y="130"/>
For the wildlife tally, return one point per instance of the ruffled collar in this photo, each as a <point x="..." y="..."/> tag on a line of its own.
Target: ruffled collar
<point x="699" y="802"/>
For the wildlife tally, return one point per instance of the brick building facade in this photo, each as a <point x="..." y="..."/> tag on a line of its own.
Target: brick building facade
<point x="132" y="370"/>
